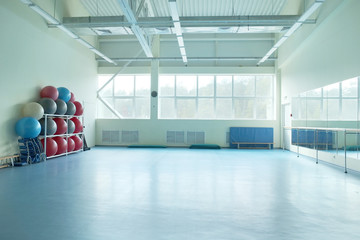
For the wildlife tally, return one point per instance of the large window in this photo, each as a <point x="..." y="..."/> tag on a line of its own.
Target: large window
<point x="216" y="97"/>
<point x="126" y="96"/>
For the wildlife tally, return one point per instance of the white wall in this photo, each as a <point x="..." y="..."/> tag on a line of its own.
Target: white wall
<point x="34" y="56"/>
<point x="328" y="52"/>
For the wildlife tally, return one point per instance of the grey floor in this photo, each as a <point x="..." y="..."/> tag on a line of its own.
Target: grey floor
<point x="121" y="193"/>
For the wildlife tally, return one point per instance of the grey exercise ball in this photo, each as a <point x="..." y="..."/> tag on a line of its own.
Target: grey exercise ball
<point x="71" y="126"/>
<point x="48" y="104"/>
<point x="61" y="107"/>
<point x="51" y="126"/>
<point x="71" y="109"/>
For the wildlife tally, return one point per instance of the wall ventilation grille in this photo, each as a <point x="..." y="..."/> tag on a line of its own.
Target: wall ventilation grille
<point x="130" y="136"/>
<point x="117" y="137"/>
<point x="175" y="137"/>
<point x="111" y="137"/>
<point x="195" y="137"/>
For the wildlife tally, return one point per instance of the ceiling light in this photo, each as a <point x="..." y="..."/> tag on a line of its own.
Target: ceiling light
<point x="293" y="28"/>
<point x="173" y="10"/>
<point x="180" y="41"/>
<point x="54" y="21"/>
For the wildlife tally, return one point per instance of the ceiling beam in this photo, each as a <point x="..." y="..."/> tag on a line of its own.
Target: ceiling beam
<point x="158" y="22"/>
<point x="189" y="59"/>
<point x="128" y="13"/>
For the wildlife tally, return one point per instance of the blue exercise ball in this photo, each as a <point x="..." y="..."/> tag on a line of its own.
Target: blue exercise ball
<point x="28" y="127"/>
<point x="64" y="94"/>
<point x="71" y="108"/>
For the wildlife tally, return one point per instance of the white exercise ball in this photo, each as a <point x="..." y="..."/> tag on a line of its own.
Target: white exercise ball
<point x="33" y="109"/>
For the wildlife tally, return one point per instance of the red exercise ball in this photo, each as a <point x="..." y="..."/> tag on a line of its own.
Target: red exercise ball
<point x="78" y="142"/>
<point x="78" y="125"/>
<point x="51" y="146"/>
<point x="79" y="108"/>
<point x="72" y="98"/>
<point x="70" y="145"/>
<point x="61" y="125"/>
<point x="62" y="145"/>
<point x="49" y="92"/>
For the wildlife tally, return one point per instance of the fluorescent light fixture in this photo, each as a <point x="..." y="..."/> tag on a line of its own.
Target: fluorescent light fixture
<point x="53" y="20"/>
<point x="44" y="14"/>
<point x="84" y="43"/>
<point x="173" y="10"/>
<point x="180" y="41"/>
<point x="182" y="51"/>
<point x="293" y="28"/>
<point x="28" y="2"/>
<point x="310" y="10"/>
<point x="280" y="42"/>
<point x="184" y="58"/>
<point x="67" y="31"/>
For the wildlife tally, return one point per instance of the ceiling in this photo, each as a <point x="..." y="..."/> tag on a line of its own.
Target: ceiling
<point x="137" y="21"/>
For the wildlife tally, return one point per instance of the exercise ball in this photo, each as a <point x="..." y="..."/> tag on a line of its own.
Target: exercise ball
<point x="28" y="127"/>
<point x="49" y="92"/>
<point x="33" y="109"/>
<point x="78" y="125"/>
<point x="72" y="98"/>
<point x="79" y="108"/>
<point x="71" y="126"/>
<point x="51" y="146"/>
<point x="48" y="104"/>
<point x="61" y="107"/>
<point x="64" y="94"/>
<point x="62" y="145"/>
<point x="51" y="126"/>
<point x="70" y="145"/>
<point x="78" y="142"/>
<point x="71" y="109"/>
<point x="61" y="126"/>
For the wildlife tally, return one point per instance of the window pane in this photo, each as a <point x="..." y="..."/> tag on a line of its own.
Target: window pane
<point x="295" y="108"/>
<point x="332" y="90"/>
<point x="125" y="107"/>
<point x="142" y="86"/>
<point x="244" y="108"/>
<point x="348" y="109"/>
<point x="107" y="91"/>
<point x="264" y="86"/>
<point x="167" y="108"/>
<point x="185" y="85"/>
<point x="349" y="88"/>
<point x="331" y="108"/>
<point x="142" y="108"/>
<point x="206" y="108"/>
<point x="303" y="108"/>
<point x="224" y="108"/>
<point x="103" y="111"/>
<point x="224" y="86"/>
<point x="314" y="93"/>
<point x="264" y="108"/>
<point x="124" y="86"/>
<point x="206" y="86"/>
<point x="244" y="86"/>
<point x="186" y="108"/>
<point x="313" y="109"/>
<point x="166" y="85"/>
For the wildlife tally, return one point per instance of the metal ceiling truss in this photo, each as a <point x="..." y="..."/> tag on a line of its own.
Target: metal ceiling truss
<point x="167" y="22"/>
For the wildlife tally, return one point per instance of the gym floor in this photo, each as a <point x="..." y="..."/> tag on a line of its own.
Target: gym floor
<point x="121" y="193"/>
